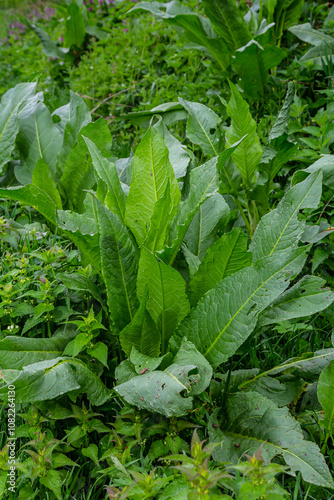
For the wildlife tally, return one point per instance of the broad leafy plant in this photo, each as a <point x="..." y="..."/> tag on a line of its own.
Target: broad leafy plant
<point x="185" y="290"/>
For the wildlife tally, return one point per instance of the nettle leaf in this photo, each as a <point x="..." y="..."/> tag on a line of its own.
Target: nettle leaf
<point x="141" y="333"/>
<point x="201" y="234"/>
<point x="280" y="228"/>
<point x="106" y="171"/>
<point x="203" y="184"/>
<point x="306" y="297"/>
<point x="49" y="379"/>
<point x="225" y="257"/>
<point x="119" y="263"/>
<point x="160" y="391"/>
<point x="325" y="393"/>
<point x="33" y="196"/>
<point x="228" y="22"/>
<point x="150" y="174"/>
<point x="222" y="321"/>
<point x="247" y="156"/>
<point x="18" y="352"/>
<point x="78" y="173"/>
<point x="42" y="178"/>
<point x="9" y="125"/>
<point x="255" y="420"/>
<point x="38" y="138"/>
<point x="202" y="127"/>
<point x="167" y="301"/>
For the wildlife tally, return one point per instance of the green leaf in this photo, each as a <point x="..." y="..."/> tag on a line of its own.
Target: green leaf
<point x="106" y="171"/>
<point x="247" y="156"/>
<point x="224" y="258"/>
<point x="280" y="228"/>
<point x="213" y="213"/>
<point x="160" y="391"/>
<point x="42" y="178"/>
<point x="49" y="47"/>
<point x="325" y="164"/>
<point x="18" y="352"/>
<point x="170" y="112"/>
<point x="202" y="127"/>
<point x="325" y="393"/>
<point x="222" y="321"/>
<point x="282" y="121"/>
<point x="203" y="184"/>
<point x="9" y="125"/>
<point x="38" y="138"/>
<point x="75" y="29"/>
<point x="100" y="352"/>
<point x="141" y="333"/>
<point x="47" y="380"/>
<point x="91" y="452"/>
<point x="163" y="212"/>
<point x="306" y="297"/>
<point x="228" y="22"/>
<point x="53" y="482"/>
<point x="78" y="173"/>
<point x="81" y="283"/>
<point x="167" y="301"/>
<point x="230" y="179"/>
<point x="253" y="62"/>
<point x="255" y="420"/>
<point x="307" y="34"/>
<point x="119" y="263"/>
<point x="33" y="196"/>
<point x="150" y="174"/>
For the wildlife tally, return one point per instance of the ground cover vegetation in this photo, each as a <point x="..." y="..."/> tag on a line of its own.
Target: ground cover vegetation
<point x="166" y="234"/>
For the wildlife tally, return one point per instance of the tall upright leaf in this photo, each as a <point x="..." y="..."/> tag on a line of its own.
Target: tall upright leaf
<point x="106" y="171"/>
<point x="167" y="301"/>
<point x="224" y="258"/>
<point x="280" y="229"/>
<point x="119" y="263"/>
<point x="42" y="178"/>
<point x="202" y="126"/>
<point x="325" y="395"/>
<point x="222" y="320"/>
<point x="247" y="156"/>
<point x="228" y="22"/>
<point x="75" y="29"/>
<point x="150" y="173"/>
<point x="9" y="125"/>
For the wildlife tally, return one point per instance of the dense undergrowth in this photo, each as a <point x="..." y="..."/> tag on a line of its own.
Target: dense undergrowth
<point x="166" y="235"/>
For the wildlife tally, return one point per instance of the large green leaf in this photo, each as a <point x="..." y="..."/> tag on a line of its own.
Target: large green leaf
<point x="225" y="257"/>
<point x="325" y="164"/>
<point x="202" y="127"/>
<point x="33" y="196"/>
<point x="150" y="174"/>
<point x="50" y="48"/>
<point x="222" y="320"/>
<point x="253" y="62"/>
<point x="119" y="263"/>
<point x="9" y="125"/>
<point x="203" y="184"/>
<point x="38" y="138"/>
<point x="75" y="29"/>
<point x="141" y="333"/>
<point x="179" y="156"/>
<point x="106" y="171"/>
<point x="159" y="223"/>
<point x="160" y="391"/>
<point x="167" y="301"/>
<point x="42" y="178"/>
<point x="18" y="352"/>
<point x="307" y="34"/>
<point x="325" y="393"/>
<point x="255" y="420"/>
<point x="76" y="281"/>
<point x="306" y="297"/>
<point x="247" y="156"/>
<point x="280" y="229"/>
<point x="78" y="173"/>
<point x="49" y="379"/>
<point x="228" y="22"/>
<point x="201" y="234"/>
